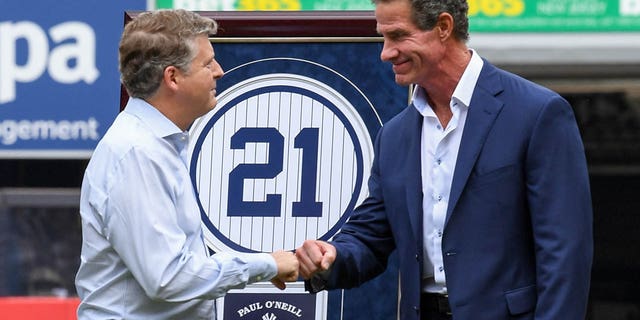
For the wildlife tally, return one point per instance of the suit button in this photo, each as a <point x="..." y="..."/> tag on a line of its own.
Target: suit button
<point x="416" y="308"/>
<point x="417" y="257"/>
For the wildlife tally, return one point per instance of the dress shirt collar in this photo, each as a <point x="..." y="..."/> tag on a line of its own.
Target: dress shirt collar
<point x="160" y="125"/>
<point x="463" y="91"/>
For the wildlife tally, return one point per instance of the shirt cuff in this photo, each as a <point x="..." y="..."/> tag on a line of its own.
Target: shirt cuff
<point x="260" y="266"/>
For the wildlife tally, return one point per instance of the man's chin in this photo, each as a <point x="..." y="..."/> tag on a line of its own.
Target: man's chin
<point x="402" y="81"/>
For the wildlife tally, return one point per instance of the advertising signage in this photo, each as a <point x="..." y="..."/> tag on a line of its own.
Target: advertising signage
<point x="554" y="15"/>
<point x="59" y="80"/>
<point x="485" y="15"/>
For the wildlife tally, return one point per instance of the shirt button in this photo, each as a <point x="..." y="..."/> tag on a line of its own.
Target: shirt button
<point x="441" y="268"/>
<point x="439" y="198"/>
<point x="438" y="161"/>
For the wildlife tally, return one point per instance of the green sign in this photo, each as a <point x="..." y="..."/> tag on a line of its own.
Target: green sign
<point x="485" y="15"/>
<point x="554" y="15"/>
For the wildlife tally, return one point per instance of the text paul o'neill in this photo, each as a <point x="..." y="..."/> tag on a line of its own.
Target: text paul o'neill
<point x="270" y="305"/>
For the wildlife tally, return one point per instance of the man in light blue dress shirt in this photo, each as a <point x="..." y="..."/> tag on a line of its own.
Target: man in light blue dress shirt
<point x="143" y="254"/>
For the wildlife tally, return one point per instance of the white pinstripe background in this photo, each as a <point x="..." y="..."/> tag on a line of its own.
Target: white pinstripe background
<point x="289" y="113"/>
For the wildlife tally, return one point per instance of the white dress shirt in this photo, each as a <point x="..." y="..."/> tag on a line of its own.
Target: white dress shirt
<point x="143" y="254"/>
<point x="439" y="149"/>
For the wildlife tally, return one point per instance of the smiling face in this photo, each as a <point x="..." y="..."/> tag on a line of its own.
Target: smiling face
<point x="199" y="83"/>
<point x="415" y="54"/>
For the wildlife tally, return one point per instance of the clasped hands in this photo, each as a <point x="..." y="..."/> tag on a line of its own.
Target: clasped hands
<point x="312" y="257"/>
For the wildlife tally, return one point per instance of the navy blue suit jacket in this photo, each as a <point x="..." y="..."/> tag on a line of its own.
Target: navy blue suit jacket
<point x="518" y="233"/>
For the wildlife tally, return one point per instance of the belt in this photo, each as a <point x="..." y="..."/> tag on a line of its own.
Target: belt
<point x="436" y="302"/>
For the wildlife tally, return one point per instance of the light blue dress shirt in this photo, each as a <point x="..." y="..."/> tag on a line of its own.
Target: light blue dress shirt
<point x="143" y="254"/>
<point x="439" y="150"/>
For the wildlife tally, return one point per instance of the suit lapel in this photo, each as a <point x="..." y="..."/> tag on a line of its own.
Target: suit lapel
<point x="414" y="171"/>
<point x="483" y="110"/>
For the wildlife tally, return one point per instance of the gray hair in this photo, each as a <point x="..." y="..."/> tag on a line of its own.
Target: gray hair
<point x="155" y="40"/>
<point x="426" y="13"/>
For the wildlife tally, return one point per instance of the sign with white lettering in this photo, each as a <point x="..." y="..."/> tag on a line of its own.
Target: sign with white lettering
<point x="261" y="302"/>
<point x="59" y="81"/>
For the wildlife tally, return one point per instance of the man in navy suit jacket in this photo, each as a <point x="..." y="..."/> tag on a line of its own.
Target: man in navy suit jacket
<point x="481" y="185"/>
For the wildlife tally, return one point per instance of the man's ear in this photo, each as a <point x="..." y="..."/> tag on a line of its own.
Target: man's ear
<point x="170" y="77"/>
<point x="444" y="26"/>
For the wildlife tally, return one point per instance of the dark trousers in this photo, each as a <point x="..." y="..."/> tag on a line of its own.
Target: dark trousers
<point x="430" y="315"/>
<point x="434" y="307"/>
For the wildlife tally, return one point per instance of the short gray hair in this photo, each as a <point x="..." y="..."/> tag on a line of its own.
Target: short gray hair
<point x="155" y="40"/>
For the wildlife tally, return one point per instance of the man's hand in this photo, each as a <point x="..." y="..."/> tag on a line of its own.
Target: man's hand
<point x="315" y="256"/>
<point x="287" y="268"/>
